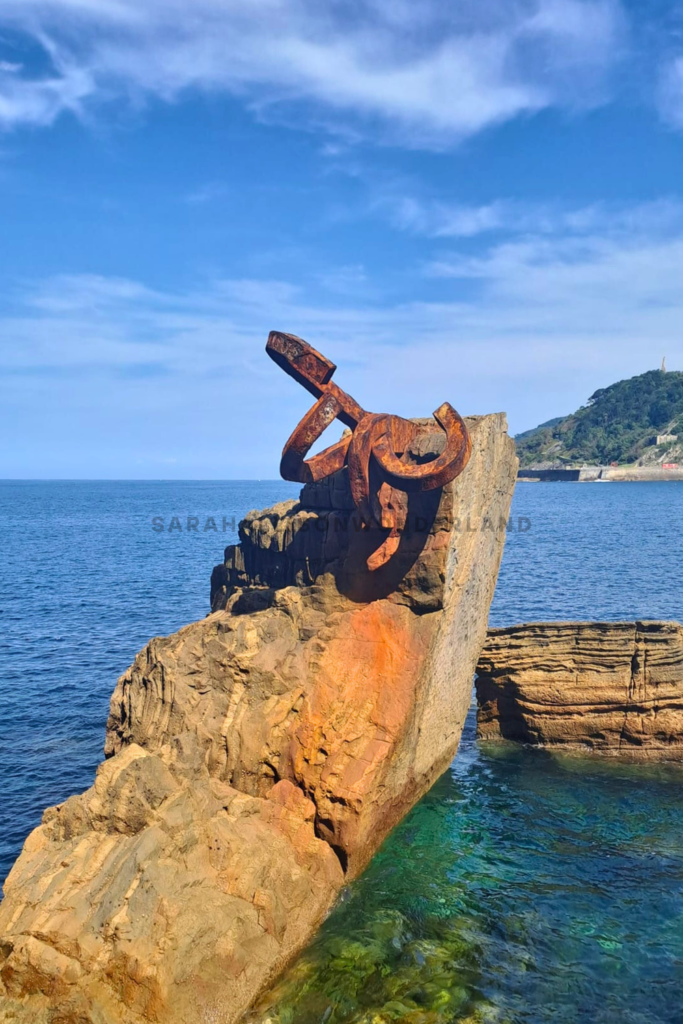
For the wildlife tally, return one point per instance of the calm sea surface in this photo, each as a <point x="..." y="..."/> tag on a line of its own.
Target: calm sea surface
<point x="523" y="888"/>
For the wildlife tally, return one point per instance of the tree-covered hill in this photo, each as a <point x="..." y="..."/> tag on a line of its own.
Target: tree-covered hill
<point x="619" y="424"/>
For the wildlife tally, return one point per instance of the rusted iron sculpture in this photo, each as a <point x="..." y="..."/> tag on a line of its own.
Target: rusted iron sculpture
<point x="375" y="439"/>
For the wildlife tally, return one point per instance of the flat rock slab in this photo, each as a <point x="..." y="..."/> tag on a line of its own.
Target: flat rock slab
<point x="257" y="759"/>
<point x="609" y="687"/>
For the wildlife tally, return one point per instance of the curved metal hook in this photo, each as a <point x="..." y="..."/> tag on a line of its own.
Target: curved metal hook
<point x="439" y="471"/>
<point x="386" y="438"/>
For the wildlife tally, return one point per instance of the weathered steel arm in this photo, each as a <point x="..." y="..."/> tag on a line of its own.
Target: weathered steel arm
<point x="311" y="369"/>
<point x="294" y="465"/>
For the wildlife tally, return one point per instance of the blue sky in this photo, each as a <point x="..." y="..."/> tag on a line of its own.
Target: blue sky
<point x="479" y="202"/>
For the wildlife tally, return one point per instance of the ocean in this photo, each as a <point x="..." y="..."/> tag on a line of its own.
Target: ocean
<point x="522" y="888"/>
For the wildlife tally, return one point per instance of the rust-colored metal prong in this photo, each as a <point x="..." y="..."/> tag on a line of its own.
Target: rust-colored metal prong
<point x="300" y="360"/>
<point x="392" y="505"/>
<point x="294" y="465"/>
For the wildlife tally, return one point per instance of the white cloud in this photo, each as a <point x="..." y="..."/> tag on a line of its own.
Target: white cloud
<point x="612" y="286"/>
<point x="423" y="73"/>
<point x="40" y="101"/>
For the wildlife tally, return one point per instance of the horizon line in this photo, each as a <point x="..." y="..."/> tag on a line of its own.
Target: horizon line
<point x="142" y="480"/>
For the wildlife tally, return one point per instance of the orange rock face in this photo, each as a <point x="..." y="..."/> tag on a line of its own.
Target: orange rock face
<point x="256" y="759"/>
<point x="350" y="726"/>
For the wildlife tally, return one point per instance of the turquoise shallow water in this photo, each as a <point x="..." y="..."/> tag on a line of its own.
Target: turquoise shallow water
<point x="522" y="888"/>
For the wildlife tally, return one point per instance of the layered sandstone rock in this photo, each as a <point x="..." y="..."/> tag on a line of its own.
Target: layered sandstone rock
<point x="257" y="758"/>
<point x="612" y="687"/>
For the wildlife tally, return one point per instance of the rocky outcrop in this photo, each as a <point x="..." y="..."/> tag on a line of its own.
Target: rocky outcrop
<point x="256" y="759"/>
<point x="611" y="687"/>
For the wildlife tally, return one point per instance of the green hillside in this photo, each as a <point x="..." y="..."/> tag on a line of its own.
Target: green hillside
<point x="535" y="430"/>
<point x="618" y="424"/>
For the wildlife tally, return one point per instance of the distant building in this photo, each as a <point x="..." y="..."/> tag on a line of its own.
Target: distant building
<point x="666" y="438"/>
<point x="664" y="365"/>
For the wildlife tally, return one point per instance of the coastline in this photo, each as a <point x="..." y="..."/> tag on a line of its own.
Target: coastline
<point x="600" y="474"/>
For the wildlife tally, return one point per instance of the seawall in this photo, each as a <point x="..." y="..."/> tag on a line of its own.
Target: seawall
<point x="600" y="474"/>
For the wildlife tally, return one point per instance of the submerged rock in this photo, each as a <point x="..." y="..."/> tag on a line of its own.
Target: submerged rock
<point x="611" y="687"/>
<point x="256" y="759"/>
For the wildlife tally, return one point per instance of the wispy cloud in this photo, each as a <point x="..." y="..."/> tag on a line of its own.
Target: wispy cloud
<point x="39" y="101"/>
<point x="347" y="280"/>
<point x="207" y="193"/>
<point x="423" y="74"/>
<point x="441" y="219"/>
<point x="671" y="93"/>
<point x="533" y="325"/>
<point x="446" y="220"/>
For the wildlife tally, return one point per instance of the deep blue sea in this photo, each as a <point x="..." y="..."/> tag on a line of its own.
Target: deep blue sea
<point x="523" y="888"/>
